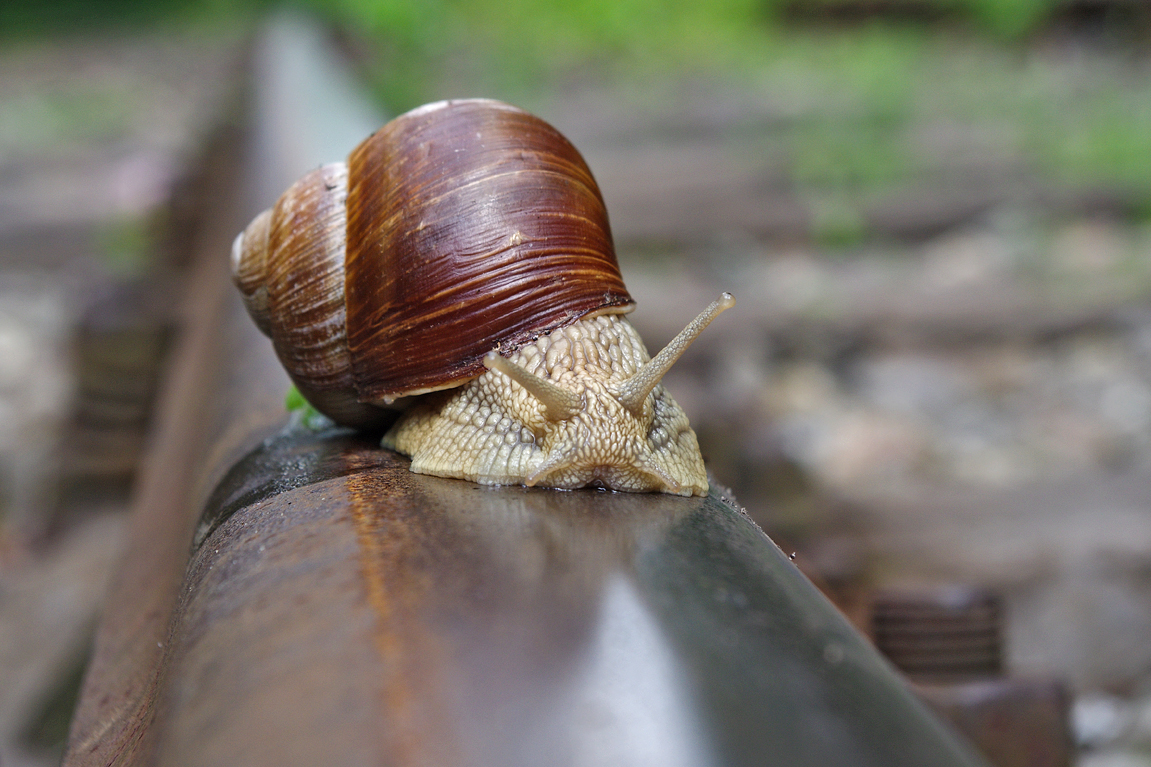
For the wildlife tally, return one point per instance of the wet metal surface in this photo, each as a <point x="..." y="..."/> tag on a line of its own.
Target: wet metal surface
<point x="284" y="462"/>
<point x="417" y="620"/>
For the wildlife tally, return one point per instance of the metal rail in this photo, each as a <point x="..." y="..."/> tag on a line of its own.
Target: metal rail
<point x="293" y="597"/>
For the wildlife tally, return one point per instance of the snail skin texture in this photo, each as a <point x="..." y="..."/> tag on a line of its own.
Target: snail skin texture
<point x="456" y="280"/>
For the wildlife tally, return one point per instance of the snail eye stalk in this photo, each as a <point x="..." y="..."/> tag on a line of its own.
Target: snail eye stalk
<point x="632" y="392"/>
<point x="559" y="403"/>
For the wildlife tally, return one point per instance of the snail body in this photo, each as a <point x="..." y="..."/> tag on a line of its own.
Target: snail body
<point x="456" y="279"/>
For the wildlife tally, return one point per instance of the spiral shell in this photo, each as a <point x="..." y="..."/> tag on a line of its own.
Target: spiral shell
<point x="459" y="227"/>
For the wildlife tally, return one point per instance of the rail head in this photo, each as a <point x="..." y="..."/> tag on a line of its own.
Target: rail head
<point x="442" y="622"/>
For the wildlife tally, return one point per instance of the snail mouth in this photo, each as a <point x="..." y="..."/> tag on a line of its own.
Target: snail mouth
<point x="604" y="478"/>
<point x="628" y="479"/>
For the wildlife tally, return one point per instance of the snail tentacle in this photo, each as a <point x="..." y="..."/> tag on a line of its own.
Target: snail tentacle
<point x="632" y="392"/>
<point x="559" y="403"/>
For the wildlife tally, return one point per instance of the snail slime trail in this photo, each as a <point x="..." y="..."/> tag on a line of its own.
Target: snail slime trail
<point x="458" y="270"/>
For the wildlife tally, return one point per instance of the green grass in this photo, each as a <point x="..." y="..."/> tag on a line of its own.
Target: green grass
<point x="517" y="45"/>
<point x="563" y="30"/>
<point x="1066" y="121"/>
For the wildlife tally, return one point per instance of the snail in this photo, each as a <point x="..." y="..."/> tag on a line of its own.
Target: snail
<point x="456" y="278"/>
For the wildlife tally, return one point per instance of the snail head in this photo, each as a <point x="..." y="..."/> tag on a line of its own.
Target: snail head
<point x="621" y="433"/>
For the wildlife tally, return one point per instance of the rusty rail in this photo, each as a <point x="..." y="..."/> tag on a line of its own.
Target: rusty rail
<point x="293" y="597"/>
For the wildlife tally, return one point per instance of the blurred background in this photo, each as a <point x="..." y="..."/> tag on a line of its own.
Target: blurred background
<point x="935" y="214"/>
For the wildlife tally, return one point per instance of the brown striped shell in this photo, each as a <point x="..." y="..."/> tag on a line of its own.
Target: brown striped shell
<point x="457" y="228"/>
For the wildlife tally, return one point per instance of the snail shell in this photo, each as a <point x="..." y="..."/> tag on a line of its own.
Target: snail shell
<point x="464" y="250"/>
